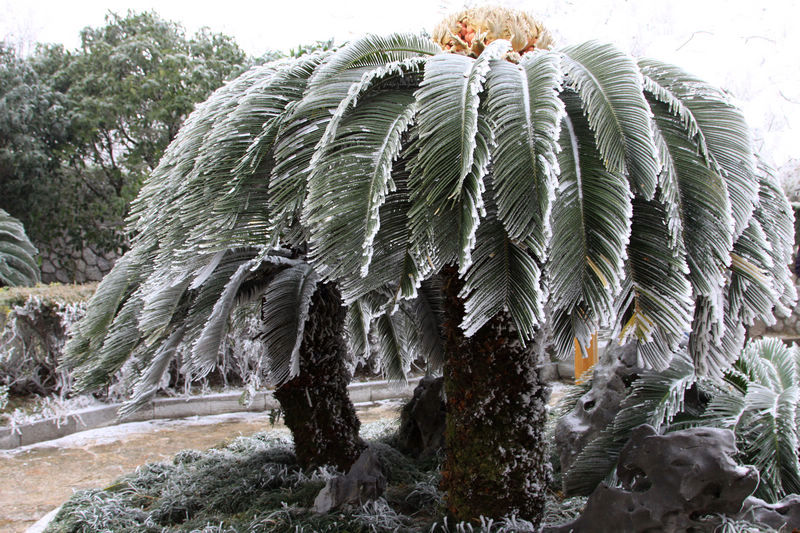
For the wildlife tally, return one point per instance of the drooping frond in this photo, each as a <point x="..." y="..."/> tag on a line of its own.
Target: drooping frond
<point x="776" y="217"/>
<point x="17" y="265"/>
<point x="122" y="337"/>
<point x="610" y="87"/>
<point x="525" y="113"/>
<point x="453" y="156"/>
<point x="88" y="334"/>
<point x="394" y="263"/>
<point x="206" y="348"/>
<point x="357" y="326"/>
<point x="373" y="51"/>
<point x="424" y="316"/>
<point x="750" y="291"/>
<point x="591" y="228"/>
<point x="285" y="311"/>
<point x="354" y="173"/>
<point x="393" y="356"/>
<point x="725" y="134"/>
<point x="715" y="342"/>
<point x="697" y="197"/>
<point x="662" y="296"/>
<point x="147" y="384"/>
<point x="504" y="276"/>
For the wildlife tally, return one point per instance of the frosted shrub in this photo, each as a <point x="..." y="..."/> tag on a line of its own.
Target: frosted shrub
<point x="31" y="343"/>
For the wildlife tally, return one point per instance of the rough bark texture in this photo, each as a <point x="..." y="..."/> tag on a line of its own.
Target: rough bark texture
<point x="316" y="406"/>
<point x="495" y="451"/>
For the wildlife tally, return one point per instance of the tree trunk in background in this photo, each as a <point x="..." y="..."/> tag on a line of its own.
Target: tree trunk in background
<point x="496" y="460"/>
<point x="316" y="406"/>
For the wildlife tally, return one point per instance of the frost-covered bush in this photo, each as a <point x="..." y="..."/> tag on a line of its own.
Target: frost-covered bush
<point x="31" y="342"/>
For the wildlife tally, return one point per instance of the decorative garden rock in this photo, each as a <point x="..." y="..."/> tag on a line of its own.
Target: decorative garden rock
<point x="422" y="421"/>
<point x="598" y="407"/>
<point x="775" y="515"/>
<point x="365" y="481"/>
<point x="668" y="483"/>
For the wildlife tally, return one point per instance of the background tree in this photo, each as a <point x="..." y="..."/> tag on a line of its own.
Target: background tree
<point x="100" y="118"/>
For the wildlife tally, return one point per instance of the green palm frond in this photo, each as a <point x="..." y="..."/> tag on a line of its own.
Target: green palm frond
<point x="662" y="301"/>
<point x="357" y="327"/>
<point x="504" y="275"/>
<point x="610" y="87"/>
<point x="591" y="228"/>
<point x="768" y="437"/>
<point x="776" y="217"/>
<point x="299" y="131"/>
<point x="146" y="385"/>
<point x="724" y="133"/>
<point x="285" y="310"/>
<point x="205" y="349"/>
<point x="393" y="356"/>
<point x="374" y="51"/>
<point x="453" y="156"/>
<point x="355" y="168"/>
<point x="17" y="264"/>
<point x="751" y="292"/>
<point x="423" y="316"/>
<point x="523" y="108"/>
<point x="394" y="263"/>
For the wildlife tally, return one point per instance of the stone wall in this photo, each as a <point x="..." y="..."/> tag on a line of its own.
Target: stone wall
<point x="64" y="264"/>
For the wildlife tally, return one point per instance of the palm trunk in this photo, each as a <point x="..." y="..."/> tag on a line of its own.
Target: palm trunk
<point x="316" y="406"/>
<point x="495" y="461"/>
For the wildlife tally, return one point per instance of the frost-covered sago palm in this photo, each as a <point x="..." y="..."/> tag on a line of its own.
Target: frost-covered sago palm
<point x="575" y="185"/>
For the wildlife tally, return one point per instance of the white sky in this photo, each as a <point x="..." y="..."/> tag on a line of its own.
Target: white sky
<point x="750" y="48"/>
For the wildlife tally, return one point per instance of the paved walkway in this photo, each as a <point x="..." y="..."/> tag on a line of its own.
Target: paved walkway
<point x="37" y="479"/>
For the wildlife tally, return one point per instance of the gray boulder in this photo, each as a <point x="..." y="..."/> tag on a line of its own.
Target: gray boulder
<point x="598" y="407"/>
<point x="668" y="482"/>
<point x="422" y="420"/>
<point x="365" y="481"/>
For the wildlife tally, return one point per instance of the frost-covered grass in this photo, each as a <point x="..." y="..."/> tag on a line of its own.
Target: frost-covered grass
<point x="254" y="484"/>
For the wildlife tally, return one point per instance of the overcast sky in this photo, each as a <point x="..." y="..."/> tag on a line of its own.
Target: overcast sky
<point x="750" y="48"/>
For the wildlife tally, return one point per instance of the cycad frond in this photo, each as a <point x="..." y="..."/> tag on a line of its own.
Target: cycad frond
<point x="355" y="168"/>
<point x="393" y="356"/>
<point x="724" y="133"/>
<point x="453" y="156"/>
<point x="286" y="306"/>
<point x="423" y="316"/>
<point x="662" y="296"/>
<point x="610" y="87"/>
<point x="591" y="228"/>
<point x="374" y="51"/>
<point x="776" y="217"/>
<point x="504" y="276"/>
<point x="17" y="265"/>
<point x="205" y="349"/>
<point x="523" y="108"/>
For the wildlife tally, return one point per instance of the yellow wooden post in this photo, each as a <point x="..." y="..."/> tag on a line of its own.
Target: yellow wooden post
<point x="583" y="364"/>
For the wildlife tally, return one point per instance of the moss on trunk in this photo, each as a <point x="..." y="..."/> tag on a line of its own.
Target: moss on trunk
<point x="495" y="451"/>
<point x="316" y="406"/>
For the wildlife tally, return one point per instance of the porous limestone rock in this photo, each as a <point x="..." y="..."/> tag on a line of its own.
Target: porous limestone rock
<point x="668" y="482"/>
<point x="783" y="514"/>
<point x="598" y="407"/>
<point x="422" y="420"/>
<point x="363" y="482"/>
